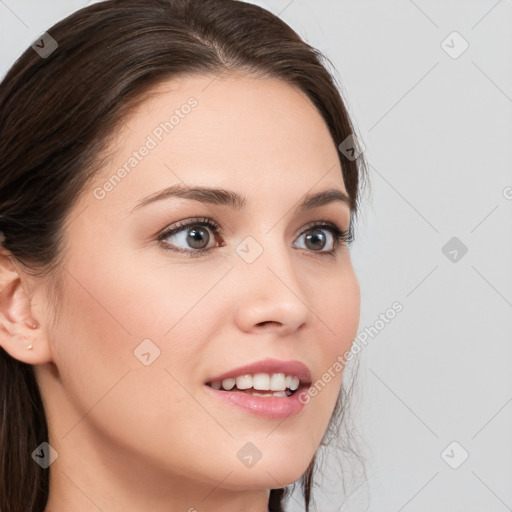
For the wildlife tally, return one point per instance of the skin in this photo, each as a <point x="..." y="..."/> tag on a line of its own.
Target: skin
<point x="132" y="437"/>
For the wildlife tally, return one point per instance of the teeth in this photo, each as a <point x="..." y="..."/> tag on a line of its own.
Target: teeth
<point x="244" y="382"/>
<point x="294" y="384"/>
<point x="274" y="393"/>
<point x="228" y="384"/>
<point x="261" y="381"/>
<point x="276" y="382"/>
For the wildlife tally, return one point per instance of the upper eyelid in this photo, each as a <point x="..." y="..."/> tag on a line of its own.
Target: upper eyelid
<point x="182" y="225"/>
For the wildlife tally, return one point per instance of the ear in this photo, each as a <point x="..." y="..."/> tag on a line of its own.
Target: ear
<point x="18" y="327"/>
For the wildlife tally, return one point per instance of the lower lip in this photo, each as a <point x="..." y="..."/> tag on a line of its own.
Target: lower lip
<point x="274" y="407"/>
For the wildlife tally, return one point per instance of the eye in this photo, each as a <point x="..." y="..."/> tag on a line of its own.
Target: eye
<point x="194" y="235"/>
<point x="316" y="239"/>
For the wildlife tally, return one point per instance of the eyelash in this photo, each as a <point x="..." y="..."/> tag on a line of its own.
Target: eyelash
<point x="341" y="236"/>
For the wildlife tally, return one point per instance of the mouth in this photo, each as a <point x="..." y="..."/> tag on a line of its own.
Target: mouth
<point x="260" y="384"/>
<point x="264" y="378"/>
<point x="269" y="388"/>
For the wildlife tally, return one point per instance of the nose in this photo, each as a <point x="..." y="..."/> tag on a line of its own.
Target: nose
<point x="270" y="294"/>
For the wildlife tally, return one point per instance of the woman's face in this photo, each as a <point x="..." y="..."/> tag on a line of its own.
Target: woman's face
<point x="146" y="325"/>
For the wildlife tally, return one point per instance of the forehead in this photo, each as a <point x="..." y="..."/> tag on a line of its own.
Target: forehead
<point x="240" y="132"/>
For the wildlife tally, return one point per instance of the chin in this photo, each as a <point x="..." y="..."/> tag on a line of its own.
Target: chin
<point x="263" y="479"/>
<point x="269" y="474"/>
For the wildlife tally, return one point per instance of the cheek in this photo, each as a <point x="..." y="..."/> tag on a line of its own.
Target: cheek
<point x="338" y="313"/>
<point x="140" y="410"/>
<point x="149" y="295"/>
<point x="339" y="310"/>
<point x="112" y="316"/>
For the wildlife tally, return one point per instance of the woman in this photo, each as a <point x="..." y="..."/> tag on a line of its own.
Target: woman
<point x="175" y="274"/>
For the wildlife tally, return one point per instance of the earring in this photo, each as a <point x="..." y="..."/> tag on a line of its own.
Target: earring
<point x="34" y="325"/>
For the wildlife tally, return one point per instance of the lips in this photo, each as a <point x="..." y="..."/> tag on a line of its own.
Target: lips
<point x="269" y="366"/>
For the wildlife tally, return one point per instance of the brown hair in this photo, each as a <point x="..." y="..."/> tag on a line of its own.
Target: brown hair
<point x="58" y="112"/>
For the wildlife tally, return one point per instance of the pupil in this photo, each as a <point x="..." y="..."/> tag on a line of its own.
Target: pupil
<point x="194" y="238"/>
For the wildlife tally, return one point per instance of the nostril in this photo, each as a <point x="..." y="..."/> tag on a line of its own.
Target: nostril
<point x="264" y="324"/>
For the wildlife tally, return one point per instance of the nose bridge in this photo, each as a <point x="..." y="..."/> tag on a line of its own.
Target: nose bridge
<point x="272" y="291"/>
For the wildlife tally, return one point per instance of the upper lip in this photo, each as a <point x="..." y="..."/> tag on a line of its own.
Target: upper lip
<point x="294" y="368"/>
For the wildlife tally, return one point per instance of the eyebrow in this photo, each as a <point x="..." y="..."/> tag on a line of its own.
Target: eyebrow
<point x="223" y="197"/>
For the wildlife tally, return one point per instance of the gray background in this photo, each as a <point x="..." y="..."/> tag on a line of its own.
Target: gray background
<point x="437" y="126"/>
